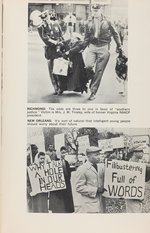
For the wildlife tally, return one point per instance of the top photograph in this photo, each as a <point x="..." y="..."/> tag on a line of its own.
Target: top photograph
<point x="78" y="52"/>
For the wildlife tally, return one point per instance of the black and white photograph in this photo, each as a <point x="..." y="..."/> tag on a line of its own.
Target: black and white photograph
<point x="78" y="52"/>
<point x="88" y="170"/>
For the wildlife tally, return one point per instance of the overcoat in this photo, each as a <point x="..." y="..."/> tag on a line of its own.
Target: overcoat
<point x="87" y="182"/>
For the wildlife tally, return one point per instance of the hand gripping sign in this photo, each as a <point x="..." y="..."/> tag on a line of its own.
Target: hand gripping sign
<point x="47" y="177"/>
<point x="124" y="179"/>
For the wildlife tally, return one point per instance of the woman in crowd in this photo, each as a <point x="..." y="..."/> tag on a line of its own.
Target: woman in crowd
<point x="77" y="79"/>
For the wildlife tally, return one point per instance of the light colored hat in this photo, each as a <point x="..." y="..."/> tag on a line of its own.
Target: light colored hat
<point x="136" y="148"/>
<point x="92" y="149"/>
<point x="36" y="18"/>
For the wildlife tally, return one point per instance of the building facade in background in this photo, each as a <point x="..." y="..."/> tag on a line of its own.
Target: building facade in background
<point x="113" y="9"/>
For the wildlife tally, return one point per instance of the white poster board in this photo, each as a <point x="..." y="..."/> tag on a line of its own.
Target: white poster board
<point x="84" y="143"/>
<point x="47" y="177"/>
<point x="117" y="142"/>
<point x="124" y="179"/>
<point x="35" y="136"/>
<point x="105" y="145"/>
<point x="59" y="141"/>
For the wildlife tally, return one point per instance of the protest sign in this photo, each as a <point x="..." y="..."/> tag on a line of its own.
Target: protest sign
<point x="59" y="141"/>
<point x="84" y="143"/>
<point x="133" y="141"/>
<point x="124" y="179"/>
<point x="35" y="136"/>
<point x="142" y="140"/>
<point x="47" y="177"/>
<point x="117" y="142"/>
<point x="105" y="145"/>
<point x="110" y="144"/>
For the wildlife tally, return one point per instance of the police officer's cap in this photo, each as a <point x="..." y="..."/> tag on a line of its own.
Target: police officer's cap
<point x="96" y="6"/>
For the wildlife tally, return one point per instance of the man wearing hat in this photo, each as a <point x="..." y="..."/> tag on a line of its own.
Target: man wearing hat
<point x="90" y="181"/>
<point x="98" y="36"/>
<point x="134" y="205"/>
<point x="50" y="32"/>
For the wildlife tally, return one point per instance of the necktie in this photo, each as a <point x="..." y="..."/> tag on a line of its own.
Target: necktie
<point x="97" y="28"/>
<point x="95" y="166"/>
<point x="64" y="167"/>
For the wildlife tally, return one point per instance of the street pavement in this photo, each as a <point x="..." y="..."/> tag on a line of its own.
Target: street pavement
<point x="40" y="89"/>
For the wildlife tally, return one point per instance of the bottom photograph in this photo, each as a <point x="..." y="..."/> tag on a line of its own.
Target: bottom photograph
<point x="88" y="170"/>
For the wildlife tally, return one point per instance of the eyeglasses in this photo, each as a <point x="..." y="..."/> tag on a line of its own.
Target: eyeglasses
<point x="64" y="152"/>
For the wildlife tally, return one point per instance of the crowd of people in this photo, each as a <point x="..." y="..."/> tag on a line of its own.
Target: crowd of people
<point x="59" y="201"/>
<point x="69" y="45"/>
<point x="89" y="182"/>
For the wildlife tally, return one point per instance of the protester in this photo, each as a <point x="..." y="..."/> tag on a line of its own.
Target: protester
<point x="134" y="205"/>
<point x="76" y="79"/>
<point x="39" y="202"/>
<point x="51" y="152"/>
<point x="98" y="35"/>
<point x="61" y="201"/>
<point x="90" y="182"/>
<point x="32" y="151"/>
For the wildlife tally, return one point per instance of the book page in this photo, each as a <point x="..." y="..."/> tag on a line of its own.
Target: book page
<point x="74" y="111"/>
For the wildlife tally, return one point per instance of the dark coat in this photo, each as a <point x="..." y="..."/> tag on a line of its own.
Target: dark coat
<point x="37" y="203"/>
<point x="76" y="79"/>
<point x="61" y="201"/>
<point x="50" y="32"/>
<point x="106" y="31"/>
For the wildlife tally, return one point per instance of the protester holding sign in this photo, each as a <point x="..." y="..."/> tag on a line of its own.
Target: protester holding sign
<point x="90" y="181"/>
<point x="135" y="206"/>
<point x="40" y="200"/>
<point x="61" y="201"/>
<point x="32" y="150"/>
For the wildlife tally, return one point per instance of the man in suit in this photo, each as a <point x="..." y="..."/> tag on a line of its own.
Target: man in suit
<point x="90" y="182"/>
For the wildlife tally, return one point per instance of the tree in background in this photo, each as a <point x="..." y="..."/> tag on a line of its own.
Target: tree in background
<point x="93" y="135"/>
<point x="72" y="135"/>
<point x="49" y="135"/>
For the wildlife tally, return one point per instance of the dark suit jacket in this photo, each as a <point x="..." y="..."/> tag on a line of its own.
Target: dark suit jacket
<point x="46" y="33"/>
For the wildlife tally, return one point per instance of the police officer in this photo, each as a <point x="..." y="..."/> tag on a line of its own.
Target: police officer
<point x="51" y="34"/>
<point x="98" y="35"/>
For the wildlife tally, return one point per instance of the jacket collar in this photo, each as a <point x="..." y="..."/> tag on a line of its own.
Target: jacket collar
<point x="90" y="166"/>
